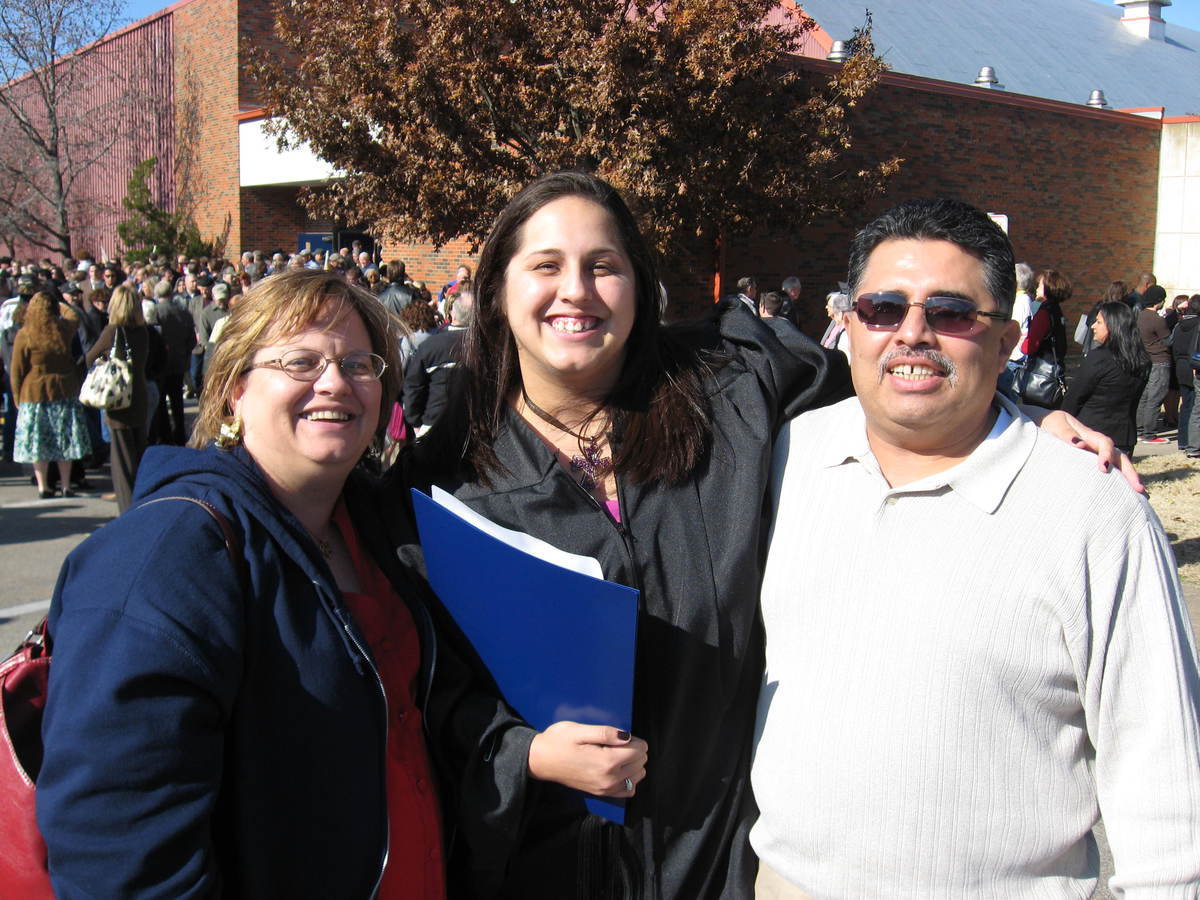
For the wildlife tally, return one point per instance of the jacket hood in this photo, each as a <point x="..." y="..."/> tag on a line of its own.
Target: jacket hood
<point x="233" y="476"/>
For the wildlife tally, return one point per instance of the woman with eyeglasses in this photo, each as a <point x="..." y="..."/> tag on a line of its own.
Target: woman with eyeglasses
<point x="591" y="425"/>
<point x="275" y="718"/>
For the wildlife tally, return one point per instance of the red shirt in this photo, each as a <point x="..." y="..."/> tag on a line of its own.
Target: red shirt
<point x="414" y="868"/>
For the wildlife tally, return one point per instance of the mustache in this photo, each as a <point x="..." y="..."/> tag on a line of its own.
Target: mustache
<point x="941" y="360"/>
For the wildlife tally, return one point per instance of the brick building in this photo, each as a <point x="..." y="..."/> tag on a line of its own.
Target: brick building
<point x="1078" y="184"/>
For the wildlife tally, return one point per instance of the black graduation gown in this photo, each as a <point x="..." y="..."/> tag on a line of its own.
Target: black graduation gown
<point x="696" y="552"/>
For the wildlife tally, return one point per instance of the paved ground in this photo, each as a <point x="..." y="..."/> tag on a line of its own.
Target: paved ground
<point x="35" y="536"/>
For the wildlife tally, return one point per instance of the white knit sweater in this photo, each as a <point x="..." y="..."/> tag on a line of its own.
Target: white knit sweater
<point x="965" y="673"/>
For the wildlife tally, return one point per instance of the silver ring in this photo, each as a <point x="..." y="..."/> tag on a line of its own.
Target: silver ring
<point x="628" y="785"/>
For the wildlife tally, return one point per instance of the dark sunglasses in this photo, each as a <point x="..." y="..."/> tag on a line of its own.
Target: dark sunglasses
<point x="885" y="311"/>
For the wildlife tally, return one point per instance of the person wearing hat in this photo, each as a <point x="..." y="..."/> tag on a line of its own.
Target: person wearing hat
<point x="217" y="310"/>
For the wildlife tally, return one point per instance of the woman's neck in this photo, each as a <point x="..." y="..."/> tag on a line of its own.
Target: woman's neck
<point x="570" y="403"/>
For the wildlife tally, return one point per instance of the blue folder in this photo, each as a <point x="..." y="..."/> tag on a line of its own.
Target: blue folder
<point x="559" y="644"/>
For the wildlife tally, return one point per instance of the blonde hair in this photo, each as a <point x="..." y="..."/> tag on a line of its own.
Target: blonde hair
<point x="125" y="307"/>
<point x="282" y="305"/>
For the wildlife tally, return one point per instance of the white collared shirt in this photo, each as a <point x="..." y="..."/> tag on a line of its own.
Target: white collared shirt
<point x="943" y="657"/>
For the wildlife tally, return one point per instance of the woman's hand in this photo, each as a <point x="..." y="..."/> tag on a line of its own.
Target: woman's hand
<point x="595" y="759"/>
<point x="1066" y="427"/>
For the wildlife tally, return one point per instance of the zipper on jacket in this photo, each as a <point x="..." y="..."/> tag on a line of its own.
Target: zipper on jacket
<point x="366" y="657"/>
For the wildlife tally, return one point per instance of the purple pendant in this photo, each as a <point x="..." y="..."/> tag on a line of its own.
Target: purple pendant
<point x="591" y="464"/>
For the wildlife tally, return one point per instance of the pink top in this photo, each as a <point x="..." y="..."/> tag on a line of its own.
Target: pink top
<point x="614" y="509"/>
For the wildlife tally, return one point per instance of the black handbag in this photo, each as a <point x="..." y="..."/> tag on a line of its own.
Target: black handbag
<point x="1041" y="380"/>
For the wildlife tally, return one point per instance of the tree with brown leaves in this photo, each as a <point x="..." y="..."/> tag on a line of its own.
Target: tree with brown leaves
<point x="440" y="110"/>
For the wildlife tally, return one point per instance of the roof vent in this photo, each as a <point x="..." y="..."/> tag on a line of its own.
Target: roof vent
<point x="987" y="79"/>
<point x="1097" y="101"/>
<point x="838" y="52"/>
<point x="1143" y="18"/>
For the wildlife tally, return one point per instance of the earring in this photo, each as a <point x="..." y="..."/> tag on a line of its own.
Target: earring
<point x="231" y="434"/>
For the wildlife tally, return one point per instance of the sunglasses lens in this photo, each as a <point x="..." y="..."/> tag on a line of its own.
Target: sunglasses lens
<point x="949" y="315"/>
<point x="880" y="311"/>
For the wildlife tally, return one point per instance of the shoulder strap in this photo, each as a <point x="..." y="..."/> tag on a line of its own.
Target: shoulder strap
<point x="38" y="636"/>
<point x="233" y="542"/>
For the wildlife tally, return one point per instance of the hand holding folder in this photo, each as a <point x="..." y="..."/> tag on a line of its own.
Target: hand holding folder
<point x="559" y="643"/>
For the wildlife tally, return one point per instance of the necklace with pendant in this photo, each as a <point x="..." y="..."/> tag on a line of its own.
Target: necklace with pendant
<point x="589" y="461"/>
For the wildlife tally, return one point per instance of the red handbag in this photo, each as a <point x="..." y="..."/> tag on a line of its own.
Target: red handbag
<point x="24" y="683"/>
<point x="24" y="678"/>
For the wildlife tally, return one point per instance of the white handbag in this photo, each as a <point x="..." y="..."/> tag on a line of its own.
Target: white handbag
<point x="109" y="382"/>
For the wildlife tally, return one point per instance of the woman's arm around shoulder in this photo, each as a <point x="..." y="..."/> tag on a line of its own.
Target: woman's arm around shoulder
<point x="146" y="626"/>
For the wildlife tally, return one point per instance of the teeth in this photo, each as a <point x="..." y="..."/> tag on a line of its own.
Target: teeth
<point x="912" y="373"/>
<point x="572" y="326"/>
<point x="327" y="415"/>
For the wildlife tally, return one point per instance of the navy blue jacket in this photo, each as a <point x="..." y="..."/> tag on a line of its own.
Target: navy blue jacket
<point x="204" y="736"/>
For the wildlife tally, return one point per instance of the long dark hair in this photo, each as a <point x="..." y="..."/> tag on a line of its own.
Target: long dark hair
<point x="1124" y="341"/>
<point x="658" y="405"/>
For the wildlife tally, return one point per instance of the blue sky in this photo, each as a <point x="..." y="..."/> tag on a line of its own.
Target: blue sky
<point x="1181" y="12"/>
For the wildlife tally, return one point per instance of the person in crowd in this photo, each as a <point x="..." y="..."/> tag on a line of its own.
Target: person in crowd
<point x="747" y="292"/>
<point x="837" y="307"/>
<point x="462" y="273"/>
<point x="1185" y="341"/>
<point x="791" y="288"/>
<point x="772" y="312"/>
<point x="1145" y="282"/>
<point x="396" y="294"/>
<point x="211" y="316"/>
<point x="1023" y="309"/>
<point x="125" y="334"/>
<point x="276" y="717"/>
<point x="956" y="726"/>
<point x="1116" y="292"/>
<point x="432" y="369"/>
<point x="1155" y="337"/>
<point x="421" y="323"/>
<point x="1104" y="392"/>
<point x="589" y="424"/>
<point x="179" y="336"/>
<point x="51" y="427"/>
<point x="1047" y="334"/>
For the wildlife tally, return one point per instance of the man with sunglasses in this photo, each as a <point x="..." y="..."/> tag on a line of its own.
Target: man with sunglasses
<point x="975" y="640"/>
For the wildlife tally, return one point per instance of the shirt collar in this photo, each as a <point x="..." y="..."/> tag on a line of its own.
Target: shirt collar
<point x="982" y="479"/>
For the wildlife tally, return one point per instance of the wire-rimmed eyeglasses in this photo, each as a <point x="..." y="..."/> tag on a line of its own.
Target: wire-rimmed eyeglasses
<point x="308" y="365"/>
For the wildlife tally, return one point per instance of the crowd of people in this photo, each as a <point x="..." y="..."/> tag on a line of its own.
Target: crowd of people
<point x="165" y="317"/>
<point x="267" y="698"/>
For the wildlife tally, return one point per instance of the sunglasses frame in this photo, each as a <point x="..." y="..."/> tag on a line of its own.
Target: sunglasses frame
<point x="968" y="316"/>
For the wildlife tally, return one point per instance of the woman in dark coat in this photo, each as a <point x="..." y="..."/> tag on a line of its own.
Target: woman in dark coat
<point x="1104" y="392"/>
<point x="1184" y="342"/>
<point x="279" y="719"/>
<point x="126" y="332"/>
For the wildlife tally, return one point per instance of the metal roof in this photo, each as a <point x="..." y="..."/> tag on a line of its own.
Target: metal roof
<point x="1058" y="49"/>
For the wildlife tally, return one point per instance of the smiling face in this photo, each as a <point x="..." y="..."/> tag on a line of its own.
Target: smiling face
<point x="300" y="431"/>
<point x="922" y="391"/>
<point x="570" y="298"/>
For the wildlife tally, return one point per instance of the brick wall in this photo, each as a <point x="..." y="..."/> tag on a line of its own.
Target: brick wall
<point x="1079" y="187"/>
<point x="206" y="106"/>
<point x="272" y="219"/>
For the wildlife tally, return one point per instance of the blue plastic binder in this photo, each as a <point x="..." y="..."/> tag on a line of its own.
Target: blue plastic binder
<point x="559" y="644"/>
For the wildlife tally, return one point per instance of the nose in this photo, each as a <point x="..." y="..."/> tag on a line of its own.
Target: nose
<point x="914" y="329"/>
<point x="331" y="381"/>
<point x="574" y="283"/>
